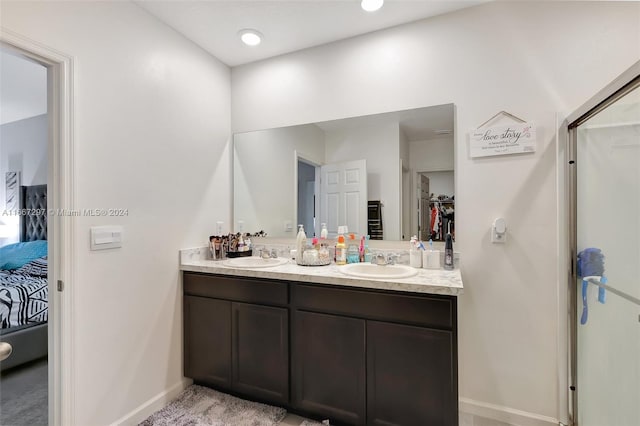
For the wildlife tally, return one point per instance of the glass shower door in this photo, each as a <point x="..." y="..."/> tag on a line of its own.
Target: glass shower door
<point x="607" y="217"/>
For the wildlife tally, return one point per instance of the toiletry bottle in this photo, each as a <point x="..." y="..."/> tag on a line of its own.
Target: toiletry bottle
<point x="361" y="249"/>
<point x="367" y="252"/>
<point x="340" y="232"/>
<point x="323" y="254"/>
<point x="324" y="233"/>
<point x="353" y="255"/>
<point x="301" y="242"/>
<point x="448" y="253"/>
<point x="341" y="251"/>
<point x="415" y="257"/>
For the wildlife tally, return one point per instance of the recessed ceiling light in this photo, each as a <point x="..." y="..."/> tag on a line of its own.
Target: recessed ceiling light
<point x="250" y="37"/>
<point x="371" y="5"/>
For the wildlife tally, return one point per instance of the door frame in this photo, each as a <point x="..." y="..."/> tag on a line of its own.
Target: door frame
<point x="627" y="81"/>
<point x="60" y="180"/>
<point x="297" y="157"/>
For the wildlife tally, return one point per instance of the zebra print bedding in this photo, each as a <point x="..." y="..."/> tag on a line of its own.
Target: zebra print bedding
<point x="23" y="299"/>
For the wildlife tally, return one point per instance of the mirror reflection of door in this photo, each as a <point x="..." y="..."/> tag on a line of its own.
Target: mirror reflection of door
<point x="424" y="212"/>
<point x="307" y="197"/>
<point x="343" y="193"/>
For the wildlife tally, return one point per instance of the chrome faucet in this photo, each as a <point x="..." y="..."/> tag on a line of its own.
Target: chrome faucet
<point x="392" y="258"/>
<point x="380" y="259"/>
<point x="264" y="253"/>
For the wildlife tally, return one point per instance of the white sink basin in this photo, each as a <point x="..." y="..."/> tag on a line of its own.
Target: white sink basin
<point x="254" y="262"/>
<point x="369" y="270"/>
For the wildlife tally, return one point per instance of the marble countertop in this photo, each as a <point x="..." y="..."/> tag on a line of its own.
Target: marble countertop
<point x="426" y="281"/>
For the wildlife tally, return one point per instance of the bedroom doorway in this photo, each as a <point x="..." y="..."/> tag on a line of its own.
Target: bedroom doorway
<point x="43" y="187"/>
<point x="24" y="174"/>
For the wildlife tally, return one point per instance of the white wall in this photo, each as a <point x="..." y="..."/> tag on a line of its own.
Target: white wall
<point x="432" y="155"/>
<point x="23" y="88"/>
<point x="151" y="135"/>
<point x="429" y="155"/>
<point x="531" y="59"/>
<point x="441" y="183"/>
<point x="379" y="145"/>
<point x="265" y="176"/>
<point x="23" y="148"/>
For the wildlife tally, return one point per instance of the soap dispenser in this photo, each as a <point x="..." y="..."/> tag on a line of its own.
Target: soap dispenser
<point x="324" y="233"/>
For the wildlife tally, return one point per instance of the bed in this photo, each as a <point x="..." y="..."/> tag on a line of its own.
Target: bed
<point x="24" y="289"/>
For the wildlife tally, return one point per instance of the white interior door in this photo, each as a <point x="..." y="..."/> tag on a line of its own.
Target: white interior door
<point x="343" y="196"/>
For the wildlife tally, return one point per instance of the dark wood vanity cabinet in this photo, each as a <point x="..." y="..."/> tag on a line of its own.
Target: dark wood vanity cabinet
<point x="260" y="351"/>
<point x="356" y="356"/>
<point x="207" y="340"/>
<point x="410" y="375"/>
<point x="329" y="366"/>
<point x="234" y="338"/>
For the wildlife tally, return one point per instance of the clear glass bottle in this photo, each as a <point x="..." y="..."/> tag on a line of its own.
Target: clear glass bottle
<point x="353" y="253"/>
<point x="367" y="252"/>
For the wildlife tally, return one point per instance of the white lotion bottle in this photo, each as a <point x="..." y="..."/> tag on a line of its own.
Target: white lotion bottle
<point x="301" y="242"/>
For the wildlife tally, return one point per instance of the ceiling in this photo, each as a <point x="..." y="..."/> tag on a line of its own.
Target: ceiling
<point x="287" y="26"/>
<point x="23" y="88"/>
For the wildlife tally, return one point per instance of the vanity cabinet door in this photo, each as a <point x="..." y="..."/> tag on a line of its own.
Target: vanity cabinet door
<point x="329" y="366"/>
<point x="411" y="376"/>
<point x="207" y="341"/>
<point x="260" y="352"/>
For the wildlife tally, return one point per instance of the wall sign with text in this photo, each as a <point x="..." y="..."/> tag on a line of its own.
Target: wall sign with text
<point x="502" y="140"/>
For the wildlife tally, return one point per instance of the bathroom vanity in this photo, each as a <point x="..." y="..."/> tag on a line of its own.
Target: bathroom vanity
<point x="324" y="345"/>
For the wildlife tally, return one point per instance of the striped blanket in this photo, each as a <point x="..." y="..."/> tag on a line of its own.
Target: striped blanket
<point x="23" y="299"/>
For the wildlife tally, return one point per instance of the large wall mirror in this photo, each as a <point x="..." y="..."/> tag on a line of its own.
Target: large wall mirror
<point x="388" y="175"/>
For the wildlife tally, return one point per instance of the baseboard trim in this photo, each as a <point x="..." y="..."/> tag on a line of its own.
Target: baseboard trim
<point x="504" y="414"/>
<point x="152" y="405"/>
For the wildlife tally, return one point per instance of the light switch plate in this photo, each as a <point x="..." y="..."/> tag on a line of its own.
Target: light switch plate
<point x="106" y="237"/>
